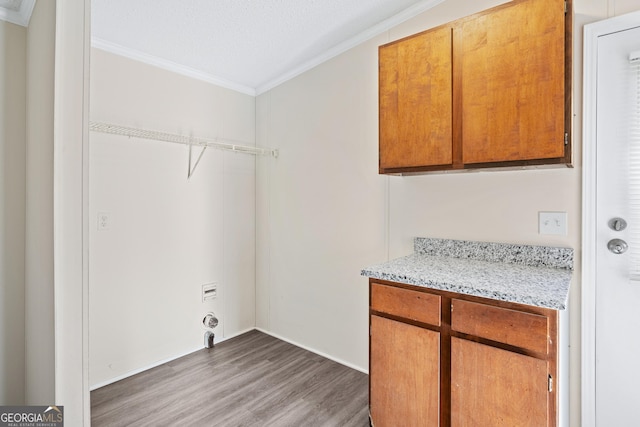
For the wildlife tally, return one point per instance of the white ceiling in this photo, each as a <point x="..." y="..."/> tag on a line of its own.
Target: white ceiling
<point x="16" y="11"/>
<point x="247" y="45"/>
<point x="11" y="4"/>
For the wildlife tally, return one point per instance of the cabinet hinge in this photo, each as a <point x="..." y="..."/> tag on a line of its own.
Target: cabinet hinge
<point x="550" y="383"/>
<point x="566" y="7"/>
<point x="566" y="138"/>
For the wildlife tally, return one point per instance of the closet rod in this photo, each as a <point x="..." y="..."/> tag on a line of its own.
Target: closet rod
<point x="180" y="139"/>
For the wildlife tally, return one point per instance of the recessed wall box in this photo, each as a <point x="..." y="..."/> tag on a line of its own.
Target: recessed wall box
<point x="209" y="292"/>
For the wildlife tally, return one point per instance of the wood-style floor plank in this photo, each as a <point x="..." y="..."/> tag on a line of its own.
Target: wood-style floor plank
<point x="250" y="380"/>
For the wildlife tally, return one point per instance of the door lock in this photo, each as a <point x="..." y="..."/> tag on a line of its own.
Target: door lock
<point x="617" y="246"/>
<point x="617" y="224"/>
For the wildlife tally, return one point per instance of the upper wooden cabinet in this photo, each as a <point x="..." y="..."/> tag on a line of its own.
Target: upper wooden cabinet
<point x="489" y="90"/>
<point x="415" y="101"/>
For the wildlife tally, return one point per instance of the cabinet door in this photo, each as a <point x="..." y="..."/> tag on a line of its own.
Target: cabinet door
<point x="415" y="101"/>
<point x="495" y="387"/>
<point x="513" y="97"/>
<point x="404" y="374"/>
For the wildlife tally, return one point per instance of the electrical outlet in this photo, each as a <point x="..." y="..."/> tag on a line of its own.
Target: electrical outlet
<point x="552" y="223"/>
<point x="104" y="221"/>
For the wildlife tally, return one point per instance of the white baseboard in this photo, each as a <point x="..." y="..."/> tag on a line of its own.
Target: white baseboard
<point x="219" y="340"/>
<point x="162" y="362"/>
<point x="319" y="353"/>
<point x="137" y="371"/>
<point x="234" y="335"/>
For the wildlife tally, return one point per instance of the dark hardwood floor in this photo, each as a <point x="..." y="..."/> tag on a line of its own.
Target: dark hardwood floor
<point x="250" y="380"/>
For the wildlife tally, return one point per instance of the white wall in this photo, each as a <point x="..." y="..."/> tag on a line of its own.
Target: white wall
<point x="600" y="9"/>
<point x="26" y="214"/>
<point x="268" y="272"/>
<point x="168" y="236"/>
<point x="39" y="316"/>
<point x="321" y="210"/>
<point x="324" y="213"/>
<point x="13" y="39"/>
<point x="70" y="206"/>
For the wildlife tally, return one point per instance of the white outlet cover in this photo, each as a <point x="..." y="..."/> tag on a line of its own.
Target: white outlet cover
<point x="552" y="223"/>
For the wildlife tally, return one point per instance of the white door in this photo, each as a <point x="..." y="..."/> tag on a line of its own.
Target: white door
<point x="617" y="293"/>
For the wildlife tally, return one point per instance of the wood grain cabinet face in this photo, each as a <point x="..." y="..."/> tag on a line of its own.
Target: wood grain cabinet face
<point x="446" y="359"/>
<point x="415" y="101"/>
<point x="495" y="387"/>
<point x="512" y="327"/>
<point x="404" y="374"/>
<point x="412" y="305"/>
<point x="513" y="83"/>
<point x="489" y="90"/>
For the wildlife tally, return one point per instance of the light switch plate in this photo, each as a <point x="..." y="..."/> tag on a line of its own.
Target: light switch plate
<point x="553" y="223"/>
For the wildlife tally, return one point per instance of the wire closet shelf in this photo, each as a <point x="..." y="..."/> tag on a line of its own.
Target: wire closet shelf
<point x="190" y="141"/>
<point x="217" y="143"/>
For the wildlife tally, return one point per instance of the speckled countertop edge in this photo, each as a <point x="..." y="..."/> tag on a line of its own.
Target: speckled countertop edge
<point x="519" y="282"/>
<point x="535" y="256"/>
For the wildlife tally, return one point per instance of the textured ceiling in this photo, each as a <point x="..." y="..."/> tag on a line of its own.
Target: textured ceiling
<point x="11" y="4"/>
<point x="251" y="44"/>
<point x="16" y="11"/>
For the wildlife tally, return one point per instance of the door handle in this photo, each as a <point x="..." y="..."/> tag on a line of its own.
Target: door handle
<point x="617" y="246"/>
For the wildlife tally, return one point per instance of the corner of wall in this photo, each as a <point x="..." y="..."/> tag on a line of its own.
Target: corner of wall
<point x="39" y="309"/>
<point x="12" y="211"/>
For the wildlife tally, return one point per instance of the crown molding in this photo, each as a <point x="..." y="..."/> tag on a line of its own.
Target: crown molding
<point x="364" y="36"/>
<point x="169" y="66"/>
<point x="20" y="17"/>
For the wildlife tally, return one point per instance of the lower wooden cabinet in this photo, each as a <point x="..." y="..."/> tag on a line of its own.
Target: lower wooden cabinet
<point x="495" y="387"/>
<point x="465" y="361"/>
<point x="405" y="375"/>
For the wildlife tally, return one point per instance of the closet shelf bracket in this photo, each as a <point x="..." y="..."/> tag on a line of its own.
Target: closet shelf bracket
<point x="195" y="165"/>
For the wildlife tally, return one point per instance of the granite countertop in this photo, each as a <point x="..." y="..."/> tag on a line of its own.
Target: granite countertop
<point x="533" y="275"/>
